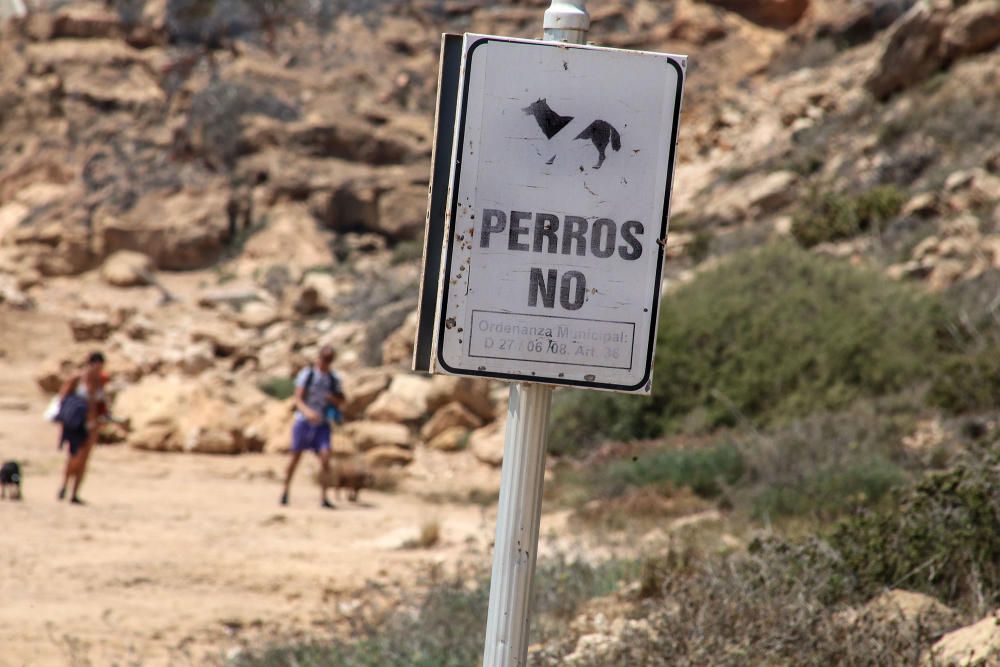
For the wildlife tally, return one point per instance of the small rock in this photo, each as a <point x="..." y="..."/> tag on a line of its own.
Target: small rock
<point x="387" y="456"/>
<point x="450" y="439"/>
<point x="923" y="205"/>
<point x="90" y="325"/>
<point x="257" y="315"/>
<point x="127" y="268"/>
<point x="945" y="274"/>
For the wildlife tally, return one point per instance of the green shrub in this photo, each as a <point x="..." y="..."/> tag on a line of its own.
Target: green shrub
<point x="830" y="216"/>
<point x="705" y="470"/>
<point x="829" y="493"/>
<point x="825" y="217"/>
<point x="278" y="387"/>
<point x="878" y="206"/>
<point x="700" y="246"/>
<point x="968" y="382"/>
<point x="939" y="537"/>
<point x="771" y="333"/>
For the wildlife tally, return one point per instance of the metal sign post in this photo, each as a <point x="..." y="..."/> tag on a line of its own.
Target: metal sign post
<point x="519" y="511"/>
<point x="544" y="248"/>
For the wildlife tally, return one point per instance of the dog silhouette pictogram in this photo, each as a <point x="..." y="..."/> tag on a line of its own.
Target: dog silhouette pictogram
<point x="599" y="132"/>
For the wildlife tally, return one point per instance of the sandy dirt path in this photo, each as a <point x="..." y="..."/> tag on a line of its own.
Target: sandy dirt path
<point x="178" y="558"/>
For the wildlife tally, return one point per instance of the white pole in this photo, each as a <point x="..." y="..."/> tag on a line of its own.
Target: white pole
<point x="519" y="511"/>
<point x="518" y="516"/>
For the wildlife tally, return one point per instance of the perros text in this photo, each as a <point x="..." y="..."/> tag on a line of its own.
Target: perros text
<point x="547" y="233"/>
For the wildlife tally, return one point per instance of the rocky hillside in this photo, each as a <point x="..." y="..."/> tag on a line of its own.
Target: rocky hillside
<point x="209" y="192"/>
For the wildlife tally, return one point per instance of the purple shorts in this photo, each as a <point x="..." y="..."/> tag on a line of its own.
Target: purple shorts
<point x="310" y="437"/>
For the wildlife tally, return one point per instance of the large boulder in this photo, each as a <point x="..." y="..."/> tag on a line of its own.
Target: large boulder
<point x="473" y="393"/>
<point x="486" y="444"/>
<point x="973" y="28"/>
<point x="349" y="140"/>
<point x="368" y="435"/>
<point x="173" y="413"/>
<point x="398" y="347"/>
<point x="54" y="239"/>
<point x="388" y="456"/>
<point x="12" y="296"/>
<point x="452" y="415"/>
<point x="976" y="644"/>
<point x="401" y="212"/>
<point x="907" y="610"/>
<point x="86" y="20"/>
<point x="362" y="388"/>
<point x="291" y="237"/>
<point x="404" y="401"/>
<point x="91" y="325"/>
<point x="772" y="13"/>
<point x="178" y="231"/>
<point x="273" y="426"/>
<point x="127" y="268"/>
<point x="911" y="51"/>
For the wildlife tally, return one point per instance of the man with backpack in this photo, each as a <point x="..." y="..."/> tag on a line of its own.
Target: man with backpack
<point x="318" y="395"/>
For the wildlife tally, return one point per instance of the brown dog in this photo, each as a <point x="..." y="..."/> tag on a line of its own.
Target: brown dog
<point x="350" y="476"/>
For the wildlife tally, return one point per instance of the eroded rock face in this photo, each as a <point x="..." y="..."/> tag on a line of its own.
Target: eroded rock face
<point x="929" y="37"/>
<point x="187" y="230"/>
<point x="775" y="13"/>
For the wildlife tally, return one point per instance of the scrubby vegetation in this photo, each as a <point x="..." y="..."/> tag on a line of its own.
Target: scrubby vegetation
<point x="939" y="537"/>
<point x="831" y="216"/>
<point x="444" y="626"/>
<point x="782" y="601"/>
<point x="771" y="334"/>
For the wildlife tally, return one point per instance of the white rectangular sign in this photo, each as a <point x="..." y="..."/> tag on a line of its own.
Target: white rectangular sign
<point x="557" y="212"/>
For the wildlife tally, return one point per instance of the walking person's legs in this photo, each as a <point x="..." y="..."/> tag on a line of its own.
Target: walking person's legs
<point x="69" y="471"/>
<point x="81" y="468"/>
<point x="292" y="464"/>
<point x="324" y="475"/>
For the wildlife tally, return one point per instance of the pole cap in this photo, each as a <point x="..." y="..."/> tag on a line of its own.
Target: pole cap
<point x="566" y="15"/>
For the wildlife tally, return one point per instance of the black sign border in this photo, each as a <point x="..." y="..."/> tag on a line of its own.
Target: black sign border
<point x="453" y="208"/>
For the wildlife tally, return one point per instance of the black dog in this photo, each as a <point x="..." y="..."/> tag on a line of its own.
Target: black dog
<point x="10" y="475"/>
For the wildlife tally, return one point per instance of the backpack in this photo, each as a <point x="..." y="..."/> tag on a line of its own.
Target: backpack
<point x="73" y="412"/>
<point x="331" y="412"/>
